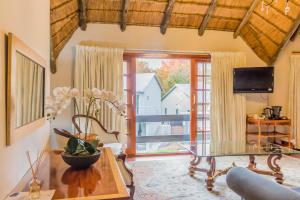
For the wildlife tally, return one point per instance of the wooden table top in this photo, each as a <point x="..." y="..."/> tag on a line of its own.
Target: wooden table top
<point x="251" y="120"/>
<point x="101" y="181"/>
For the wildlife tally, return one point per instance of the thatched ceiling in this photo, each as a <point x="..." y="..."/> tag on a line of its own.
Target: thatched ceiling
<point x="265" y="33"/>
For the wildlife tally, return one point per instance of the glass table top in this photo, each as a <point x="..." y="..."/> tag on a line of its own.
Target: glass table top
<point x="230" y="149"/>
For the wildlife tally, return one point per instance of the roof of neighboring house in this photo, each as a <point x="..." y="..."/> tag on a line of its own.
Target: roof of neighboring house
<point x="184" y="88"/>
<point x="144" y="79"/>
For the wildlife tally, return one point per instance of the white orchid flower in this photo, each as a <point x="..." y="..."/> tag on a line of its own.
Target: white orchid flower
<point x="74" y="92"/>
<point x="57" y="91"/>
<point x="62" y="97"/>
<point x="88" y="93"/>
<point x="96" y="92"/>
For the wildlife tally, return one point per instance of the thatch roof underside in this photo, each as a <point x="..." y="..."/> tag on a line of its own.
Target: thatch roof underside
<point x="265" y="33"/>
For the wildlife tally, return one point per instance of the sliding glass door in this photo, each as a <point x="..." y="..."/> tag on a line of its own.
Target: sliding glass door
<point x="167" y="103"/>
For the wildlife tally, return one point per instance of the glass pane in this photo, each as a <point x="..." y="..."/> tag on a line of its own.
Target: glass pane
<point x="204" y="69"/>
<point x="124" y="82"/>
<point x="162" y="104"/>
<point x="204" y="83"/>
<point x="203" y="109"/>
<point x="124" y="67"/>
<point x="208" y="69"/>
<point x="203" y="97"/>
<point x="203" y="125"/>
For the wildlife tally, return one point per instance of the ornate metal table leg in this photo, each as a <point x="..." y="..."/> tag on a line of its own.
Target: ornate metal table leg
<point x="194" y="162"/>
<point x="252" y="163"/>
<point x="210" y="173"/>
<point x="272" y="163"/>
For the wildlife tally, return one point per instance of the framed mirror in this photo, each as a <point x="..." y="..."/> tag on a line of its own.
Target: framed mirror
<point x="25" y="92"/>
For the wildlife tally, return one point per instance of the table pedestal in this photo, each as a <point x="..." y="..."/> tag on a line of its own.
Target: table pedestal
<point x="212" y="173"/>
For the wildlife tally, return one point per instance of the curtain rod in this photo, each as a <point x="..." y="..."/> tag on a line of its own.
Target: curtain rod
<point x="166" y="52"/>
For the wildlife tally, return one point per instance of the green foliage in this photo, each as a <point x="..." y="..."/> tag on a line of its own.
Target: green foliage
<point x="169" y="72"/>
<point x="76" y="146"/>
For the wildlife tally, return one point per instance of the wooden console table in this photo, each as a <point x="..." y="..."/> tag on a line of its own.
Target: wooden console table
<point x="269" y="122"/>
<point x="103" y="180"/>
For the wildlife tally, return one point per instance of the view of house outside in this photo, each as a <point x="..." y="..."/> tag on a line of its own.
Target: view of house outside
<point x="163" y="104"/>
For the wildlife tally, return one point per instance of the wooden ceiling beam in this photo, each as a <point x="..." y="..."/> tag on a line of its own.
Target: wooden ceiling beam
<point x="123" y="22"/>
<point x="166" y="18"/>
<point x="82" y="14"/>
<point x="52" y="58"/>
<point x="286" y="39"/>
<point x="246" y="18"/>
<point x="295" y="34"/>
<point x="207" y="17"/>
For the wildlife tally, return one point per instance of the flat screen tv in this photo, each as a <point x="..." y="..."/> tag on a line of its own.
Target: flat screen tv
<point x="253" y="80"/>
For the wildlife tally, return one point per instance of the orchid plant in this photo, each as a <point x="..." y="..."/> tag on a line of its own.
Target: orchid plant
<point x="92" y="100"/>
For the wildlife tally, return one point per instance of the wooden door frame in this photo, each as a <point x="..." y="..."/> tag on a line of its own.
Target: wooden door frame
<point x="130" y="58"/>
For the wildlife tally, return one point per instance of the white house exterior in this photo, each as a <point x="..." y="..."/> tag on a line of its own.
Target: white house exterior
<point x="177" y="100"/>
<point x="148" y="102"/>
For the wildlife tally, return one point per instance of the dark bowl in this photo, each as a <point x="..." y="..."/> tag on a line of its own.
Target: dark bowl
<point x="80" y="162"/>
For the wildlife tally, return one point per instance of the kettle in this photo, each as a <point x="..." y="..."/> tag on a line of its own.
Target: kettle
<point x="276" y="112"/>
<point x="268" y="112"/>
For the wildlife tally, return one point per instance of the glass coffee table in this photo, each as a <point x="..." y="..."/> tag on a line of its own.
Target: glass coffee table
<point x="202" y="152"/>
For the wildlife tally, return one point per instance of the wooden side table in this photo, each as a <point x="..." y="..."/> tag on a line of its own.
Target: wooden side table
<point x="103" y="180"/>
<point x="269" y="122"/>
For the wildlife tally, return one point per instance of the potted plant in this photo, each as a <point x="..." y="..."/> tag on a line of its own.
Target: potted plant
<point x="81" y="150"/>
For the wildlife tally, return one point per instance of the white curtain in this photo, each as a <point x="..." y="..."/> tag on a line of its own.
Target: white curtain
<point x="102" y="68"/>
<point x="294" y="97"/>
<point x="228" y="110"/>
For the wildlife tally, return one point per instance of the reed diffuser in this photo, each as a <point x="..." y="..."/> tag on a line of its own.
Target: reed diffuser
<point x="35" y="184"/>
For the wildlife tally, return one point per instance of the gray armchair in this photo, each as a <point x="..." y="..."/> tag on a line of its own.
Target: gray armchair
<point x="252" y="186"/>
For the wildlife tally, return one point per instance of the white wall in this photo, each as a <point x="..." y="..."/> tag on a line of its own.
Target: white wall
<point x="29" y="20"/>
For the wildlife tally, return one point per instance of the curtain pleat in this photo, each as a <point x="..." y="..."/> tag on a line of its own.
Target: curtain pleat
<point x="294" y="97"/>
<point x="228" y="110"/>
<point x="102" y="68"/>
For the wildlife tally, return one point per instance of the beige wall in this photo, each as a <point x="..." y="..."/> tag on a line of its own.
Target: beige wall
<point x="29" y="20"/>
<point x="282" y="67"/>
<point x="174" y="40"/>
<point x="150" y="38"/>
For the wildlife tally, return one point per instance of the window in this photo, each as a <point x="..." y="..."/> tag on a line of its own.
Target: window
<point x="203" y="106"/>
<point x="162" y="113"/>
